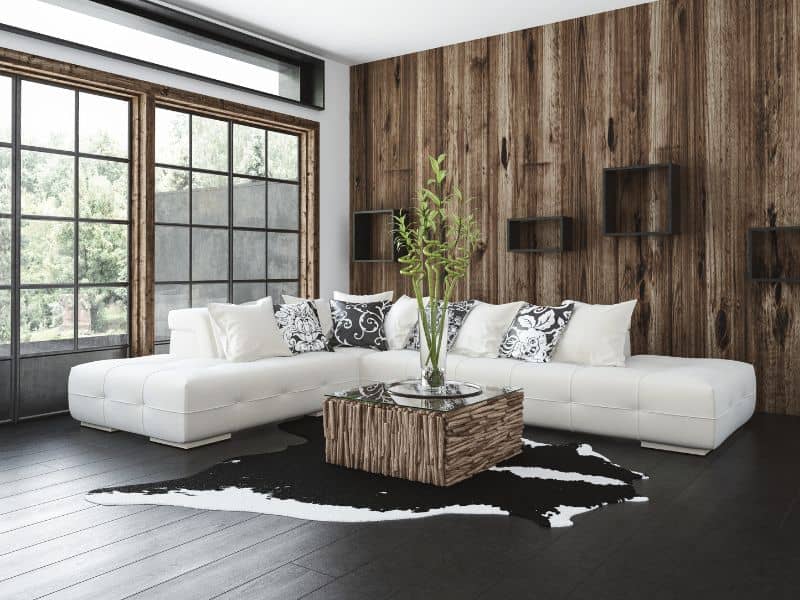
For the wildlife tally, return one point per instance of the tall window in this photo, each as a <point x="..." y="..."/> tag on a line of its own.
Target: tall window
<point x="227" y="213"/>
<point x="64" y="224"/>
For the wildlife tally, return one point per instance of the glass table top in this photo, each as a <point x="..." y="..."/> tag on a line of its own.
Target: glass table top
<point x="378" y="393"/>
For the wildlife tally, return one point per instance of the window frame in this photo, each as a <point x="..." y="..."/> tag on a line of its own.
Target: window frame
<point x="18" y="217"/>
<point x="144" y="96"/>
<point x="231" y="228"/>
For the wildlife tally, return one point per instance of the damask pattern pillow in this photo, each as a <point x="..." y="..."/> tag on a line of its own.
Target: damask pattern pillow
<point x="360" y="324"/>
<point x="535" y="331"/>
<point x="456" y="314"/>
<point x="301" y="328"/>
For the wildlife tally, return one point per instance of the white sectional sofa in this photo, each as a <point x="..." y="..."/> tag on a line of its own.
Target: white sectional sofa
<point x="193" y="397"/>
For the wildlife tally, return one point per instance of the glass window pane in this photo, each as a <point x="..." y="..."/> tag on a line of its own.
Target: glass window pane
<point x="248" y="150"/>
<point x="284" y="205"/>
<point x="209" y="254"/>
<point x="247" y="292"/>
<point x="46" y="249"/>
<point x="102" y="125"/>
<point x="102" y="317"/>
<point x="5" y="251"/>
<point x="48" y="116"/>
<point x="5" y="180"/>
<point x="172" y="137"/>
<point x="46" y="320"/>
<point x="103" y="189"/>
<point x="172" y="253"/>
<point x="209" y="199"/>
<point x="48" y="184"/>
<point x="249" y="203"/>
<point x="168" y="297"/>
<point x="248" y="255"/>
<point x="5" y="322"/>
<point x="282" y="255"/>
<point x="203" y="293"/>
<point x="283" y="155"/>
<point x="102" y="253"/>
<point x="172" y="196"/>
<point x="276" y="289"/>
<point x="209" y="144"/>
<point x="5" y="109"/>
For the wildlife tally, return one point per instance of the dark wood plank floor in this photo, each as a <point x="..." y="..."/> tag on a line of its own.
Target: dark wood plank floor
<point x="723" y="526"/>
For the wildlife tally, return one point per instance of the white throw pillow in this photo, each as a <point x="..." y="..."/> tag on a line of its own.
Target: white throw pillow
<point x="400" y="322"/>
<point x="248" y="332"/>
<point x="323" y="312"/>
<point x="484" y="329"/>
<point x="597" y="335"/>
<point x="365" y="298"/>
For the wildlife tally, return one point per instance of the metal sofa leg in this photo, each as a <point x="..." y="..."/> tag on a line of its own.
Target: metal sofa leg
<point x="190" y="445"/>
<point x="98" y="427"/>
<point x="671" y="448"/>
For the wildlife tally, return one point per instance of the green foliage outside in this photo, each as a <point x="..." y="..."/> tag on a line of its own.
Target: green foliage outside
<point x="46" y="252"/>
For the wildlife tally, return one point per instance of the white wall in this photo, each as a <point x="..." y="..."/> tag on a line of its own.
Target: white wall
<point x="334" y="123"/>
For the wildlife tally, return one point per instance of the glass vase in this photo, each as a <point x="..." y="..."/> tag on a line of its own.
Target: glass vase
<point x="432" y="363"/>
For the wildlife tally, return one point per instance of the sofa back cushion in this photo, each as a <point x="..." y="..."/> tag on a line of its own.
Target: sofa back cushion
<point x="597" y="335"/>
<point x="191" y="335"/>
<point x="248" y="332"/>
<point x="484" y="329"/>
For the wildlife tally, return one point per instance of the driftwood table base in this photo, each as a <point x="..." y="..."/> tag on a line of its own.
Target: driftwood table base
<point x="441" y="448"/>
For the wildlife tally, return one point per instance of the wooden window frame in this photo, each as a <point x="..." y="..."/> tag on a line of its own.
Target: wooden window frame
<point x="144" y="96"/>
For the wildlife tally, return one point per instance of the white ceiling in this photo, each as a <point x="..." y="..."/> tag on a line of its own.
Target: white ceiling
<point x="356" y="31"/>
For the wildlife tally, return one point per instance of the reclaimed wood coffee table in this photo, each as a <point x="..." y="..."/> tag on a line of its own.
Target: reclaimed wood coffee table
<point x="440" y="441"/>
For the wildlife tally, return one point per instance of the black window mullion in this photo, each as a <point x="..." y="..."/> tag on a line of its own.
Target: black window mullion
<point x="266" y="210"/>
<point x="16" y="178"/>
<point x="230" y="212"/>
<point x="191" y="211"/>
<point x="76" y="240"/>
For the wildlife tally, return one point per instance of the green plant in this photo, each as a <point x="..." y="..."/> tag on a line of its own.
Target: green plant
<point x="438" y="242"/>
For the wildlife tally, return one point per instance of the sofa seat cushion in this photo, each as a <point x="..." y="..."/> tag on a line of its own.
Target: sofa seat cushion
<point x="695" y="387"/>
<point x="392" y="365"/>
<point x="96" y="379"/>
<point x="190" y="388"/>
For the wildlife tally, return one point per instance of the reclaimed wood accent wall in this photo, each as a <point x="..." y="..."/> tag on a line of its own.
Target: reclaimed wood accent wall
<point x="529" y="120"/>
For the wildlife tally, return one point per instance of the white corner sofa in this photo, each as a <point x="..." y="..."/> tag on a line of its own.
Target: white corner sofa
<point x="192" y="397"/>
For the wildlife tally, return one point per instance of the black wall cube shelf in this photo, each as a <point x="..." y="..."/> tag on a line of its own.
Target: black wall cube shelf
<point x="773" y="254"/>
<point x="374" y="237"/>
<point x="641" y="200"/>
<point x="543" y="235"/>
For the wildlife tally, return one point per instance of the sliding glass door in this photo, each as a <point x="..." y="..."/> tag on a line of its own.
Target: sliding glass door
<point x="64" y="238"/>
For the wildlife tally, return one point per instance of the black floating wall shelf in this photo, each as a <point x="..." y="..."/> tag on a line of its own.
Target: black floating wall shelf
<point x="773" y="254"/>
<point x="543" y="235"/>
<point x="374" y="238"/>
<point x="641" y="200"/>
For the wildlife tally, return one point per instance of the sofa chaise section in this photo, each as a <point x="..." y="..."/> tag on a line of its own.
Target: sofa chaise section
<point x="189" y="402"/>
<point x="685" y="404"/>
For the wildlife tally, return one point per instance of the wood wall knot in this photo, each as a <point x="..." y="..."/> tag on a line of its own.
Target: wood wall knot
<point x="610" y="137"/>
<point x="504" y="153"/>
<point x="772" y="215"/>
<point x="780" y="325"/>
<point x="721" y="330"/>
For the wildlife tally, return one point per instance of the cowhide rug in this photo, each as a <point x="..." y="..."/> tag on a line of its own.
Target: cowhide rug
<point x="548" y="484"/>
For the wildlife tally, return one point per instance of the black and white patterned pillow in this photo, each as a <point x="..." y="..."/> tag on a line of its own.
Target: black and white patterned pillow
<point x="535" y="331"/>
<point x="300" y="327"/>
<point x="456" y="315"/>
<point x="360" y="324"/>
